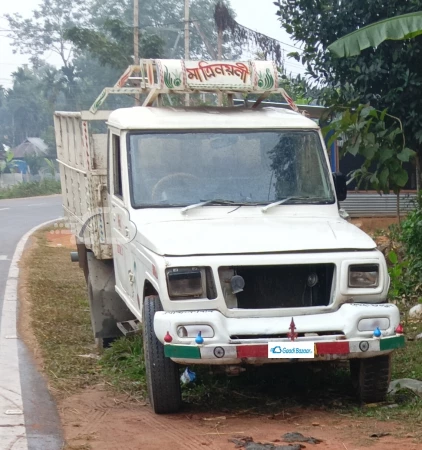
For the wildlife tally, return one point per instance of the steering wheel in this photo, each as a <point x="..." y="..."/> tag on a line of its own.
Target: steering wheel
<point x="179" y="178"/>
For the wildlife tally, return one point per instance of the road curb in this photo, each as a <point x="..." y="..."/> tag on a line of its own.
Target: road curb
<point x="12" y="419"/>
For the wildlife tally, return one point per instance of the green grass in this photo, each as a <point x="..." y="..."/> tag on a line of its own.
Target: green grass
<point x="123" y="365"/>
<point x="32" y="189"/>
<point x="407" y="362"/>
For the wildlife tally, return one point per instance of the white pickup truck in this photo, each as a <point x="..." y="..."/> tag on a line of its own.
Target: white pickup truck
<point x="218" y="229"/>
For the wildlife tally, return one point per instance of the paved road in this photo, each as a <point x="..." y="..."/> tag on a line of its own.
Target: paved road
<point x="21" y="386"/>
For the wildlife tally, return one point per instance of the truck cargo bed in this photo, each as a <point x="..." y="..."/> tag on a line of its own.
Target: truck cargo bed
<point x="82" y="156"/>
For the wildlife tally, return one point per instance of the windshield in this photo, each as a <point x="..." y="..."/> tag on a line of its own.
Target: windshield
<point x="180" y="169"/>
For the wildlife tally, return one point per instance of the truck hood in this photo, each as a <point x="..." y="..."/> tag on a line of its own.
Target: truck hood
<point x="251" y="235"/>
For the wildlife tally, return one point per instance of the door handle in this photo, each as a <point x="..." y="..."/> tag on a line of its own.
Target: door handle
<point x="131" y="277"/>
<point x="127" y="234"/>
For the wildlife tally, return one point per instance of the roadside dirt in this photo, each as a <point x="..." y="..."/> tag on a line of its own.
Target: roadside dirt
<point x="61" y="237"/>
<point x="109" y="422"/>
<point x="96" y="418"/>
<point x="370" y="225"/>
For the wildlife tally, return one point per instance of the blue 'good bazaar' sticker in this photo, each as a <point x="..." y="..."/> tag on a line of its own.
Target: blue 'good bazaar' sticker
<point x="291" y="350"/>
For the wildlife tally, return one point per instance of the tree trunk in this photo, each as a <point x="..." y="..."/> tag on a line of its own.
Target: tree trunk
<point x="418" y="173"/>
<point x="220" y="57"/>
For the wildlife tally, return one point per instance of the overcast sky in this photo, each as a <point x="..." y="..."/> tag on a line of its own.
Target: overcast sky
<point x="256" y="14"/>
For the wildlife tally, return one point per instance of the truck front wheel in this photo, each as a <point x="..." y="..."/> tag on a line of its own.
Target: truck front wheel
<point x="162" y="373"/>
<point x="371" y="378"/>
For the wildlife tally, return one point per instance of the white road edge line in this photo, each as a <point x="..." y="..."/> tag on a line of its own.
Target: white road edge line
<point x="3" y="209"/>
<point x="12" y="420"/>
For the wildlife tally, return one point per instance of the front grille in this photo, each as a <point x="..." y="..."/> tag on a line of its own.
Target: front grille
<point x="336" y="334"/>
<point x="266" y="287"/>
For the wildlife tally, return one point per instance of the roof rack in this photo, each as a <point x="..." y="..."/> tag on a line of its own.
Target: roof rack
<point x="156" y="77"/>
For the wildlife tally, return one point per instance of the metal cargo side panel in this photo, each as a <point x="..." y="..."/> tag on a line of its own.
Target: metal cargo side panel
<point x="83" y="188"/>
<point x="99" y="195"/>
<point x="99" y="224"/>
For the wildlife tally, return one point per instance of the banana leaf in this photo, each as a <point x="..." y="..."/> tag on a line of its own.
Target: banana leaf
<point x="406" y="26"/>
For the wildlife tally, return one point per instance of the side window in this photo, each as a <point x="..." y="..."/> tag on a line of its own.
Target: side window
<point x="117" y="166"/>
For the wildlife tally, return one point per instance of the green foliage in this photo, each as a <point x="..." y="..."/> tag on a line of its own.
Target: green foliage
<point x="34" y="162"/>
<point x="123" y="364"/>
<point x="401" y="27"/>
<point x="379" y="139"/>
<point x="7" y="165"/>
<point x="411" y="230"/>
<point x="388" y="77"/>
<point x="401" y="286"/>
<point x="27" y="108"/>
<point x="405" y="260"/>
<point x="33" y="189"/>
<point x="113" y="44"/>
<point x="45" y="30"/>
<point x="299" y="89"/>
<point x="224" y="21"/>
<point x="51" y="167"/>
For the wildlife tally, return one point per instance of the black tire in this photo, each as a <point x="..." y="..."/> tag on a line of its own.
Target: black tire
<point x="162" y="373"/>
<point x="371" y="378"/>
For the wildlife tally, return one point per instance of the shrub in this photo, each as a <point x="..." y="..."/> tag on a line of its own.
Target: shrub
<point x="33" y="189"/>
<point x="406" y="257"/>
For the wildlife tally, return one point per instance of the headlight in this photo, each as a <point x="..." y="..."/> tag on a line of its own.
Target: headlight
<point x="186" y="282"/>
<point x="364" y="276"/>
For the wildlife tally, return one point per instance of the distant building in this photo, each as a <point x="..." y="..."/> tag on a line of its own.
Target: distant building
<point x="30" y="147"/>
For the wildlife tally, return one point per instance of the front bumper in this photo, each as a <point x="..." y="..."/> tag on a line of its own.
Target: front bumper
<point x="336" y="335"/>
<point x="258" y="353"/>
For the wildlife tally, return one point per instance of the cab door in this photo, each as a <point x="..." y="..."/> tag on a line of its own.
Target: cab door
<point x="121" y="228"/>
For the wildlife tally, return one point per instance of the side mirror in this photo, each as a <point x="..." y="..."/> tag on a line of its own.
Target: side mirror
<point x="340" y="185"/>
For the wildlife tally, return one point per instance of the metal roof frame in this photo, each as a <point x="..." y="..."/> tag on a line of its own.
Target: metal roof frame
<point x="155" y="78"/>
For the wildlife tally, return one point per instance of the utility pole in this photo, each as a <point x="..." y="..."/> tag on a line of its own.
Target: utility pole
<point x="187" y="49"/>
<point x="136" y="40"/>
<point x="207" y="43"/>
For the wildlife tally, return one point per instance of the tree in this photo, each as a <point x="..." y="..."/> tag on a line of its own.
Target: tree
<point x="406" y="26"/>
<point x="45" y="30"/>
<point x="112" y="45"/>
<point x="243" y="36"/>
<point x="25" y="110"/>
<point x="388" y="77"/>
<point x="378" y="137"/>
<point x="165" y="19"/>
<point x="34" y="162"/>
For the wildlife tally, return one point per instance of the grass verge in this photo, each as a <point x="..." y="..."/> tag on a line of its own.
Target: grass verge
<point x="59" y="316"/>
<point x="32" y="189"/>
<point x="123" y="366"/>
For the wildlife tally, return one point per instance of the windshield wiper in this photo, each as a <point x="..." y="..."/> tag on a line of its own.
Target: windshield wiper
<point x="287" y="199"/>
<point x="209" y="202"/>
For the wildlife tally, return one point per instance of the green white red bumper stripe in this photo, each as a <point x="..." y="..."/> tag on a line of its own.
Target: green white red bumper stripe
<point x="322" y="349"/>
